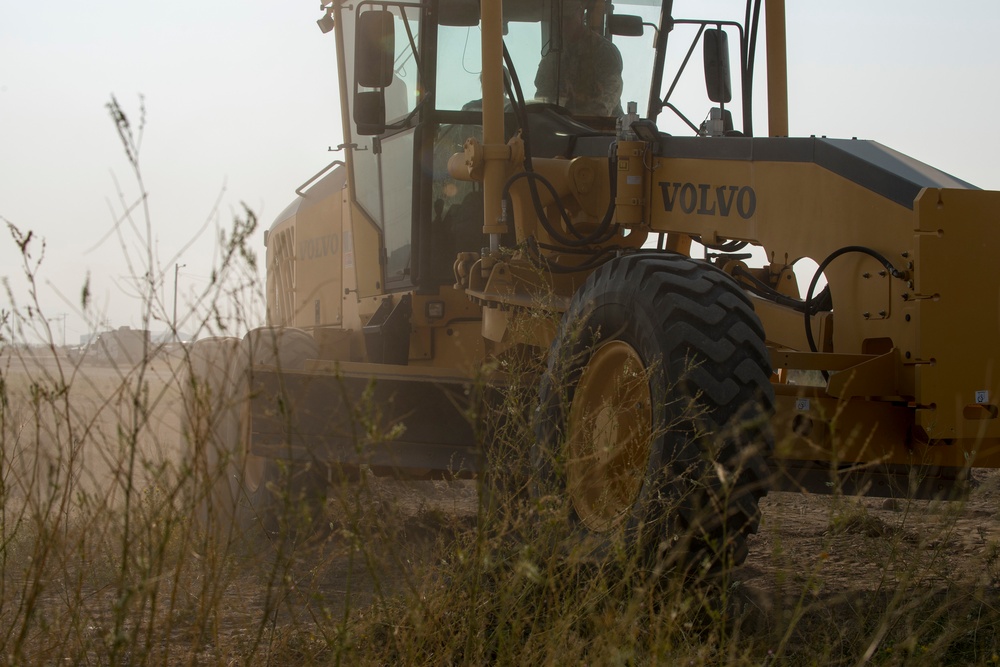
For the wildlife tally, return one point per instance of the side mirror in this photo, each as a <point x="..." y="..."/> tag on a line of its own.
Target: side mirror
<point x="717" y="77"/>
<point x="625" y="25"/>
<point x="459" y="13"/>
<point x="369" y="112"/>
<point x="531" y="11"/>
<point x="375" y="49"/>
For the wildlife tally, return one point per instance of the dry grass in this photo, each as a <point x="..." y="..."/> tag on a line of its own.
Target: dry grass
<point x="103" y="563"/>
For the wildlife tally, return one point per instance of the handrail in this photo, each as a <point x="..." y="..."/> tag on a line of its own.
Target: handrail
<point x="319" y="173"/>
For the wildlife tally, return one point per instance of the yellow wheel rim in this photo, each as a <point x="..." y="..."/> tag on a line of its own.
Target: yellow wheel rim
<point x="608" y="438"/>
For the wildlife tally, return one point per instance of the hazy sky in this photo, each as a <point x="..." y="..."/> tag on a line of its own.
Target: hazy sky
<point x="241" y="103"/>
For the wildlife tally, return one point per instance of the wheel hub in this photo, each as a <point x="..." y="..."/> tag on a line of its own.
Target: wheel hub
<point x="609" y="433"/>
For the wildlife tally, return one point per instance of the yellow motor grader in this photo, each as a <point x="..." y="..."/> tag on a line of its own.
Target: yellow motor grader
<point x="584" y="184"/>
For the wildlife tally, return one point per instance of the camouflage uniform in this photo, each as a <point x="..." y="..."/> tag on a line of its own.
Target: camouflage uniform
<point x="585" y="77"/>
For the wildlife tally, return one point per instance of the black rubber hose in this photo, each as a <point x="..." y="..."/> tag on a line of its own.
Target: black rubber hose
<point x="599" y="258"/>
<point x="893" y="271"/>
<point x="728" y="246"/>
<point x="604" y="231"/>
<point x="765" y="291"/>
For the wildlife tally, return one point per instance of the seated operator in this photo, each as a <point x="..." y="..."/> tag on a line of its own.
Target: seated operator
<point x="477" y="105"/>
<point x="585" y="76"/>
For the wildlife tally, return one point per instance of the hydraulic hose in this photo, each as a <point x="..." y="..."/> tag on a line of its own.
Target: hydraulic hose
<point x="605" y="230"/>
<point x="881" y="259"/>
<point x="765" y="291"/>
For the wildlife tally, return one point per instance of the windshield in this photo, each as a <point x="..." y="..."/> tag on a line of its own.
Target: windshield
<point x="562" y="55"/>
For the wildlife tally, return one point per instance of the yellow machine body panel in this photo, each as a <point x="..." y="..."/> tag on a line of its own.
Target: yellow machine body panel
<point x="956" y="301"/>
<point x="305" y="258"/>
<point x="926" y="340"/>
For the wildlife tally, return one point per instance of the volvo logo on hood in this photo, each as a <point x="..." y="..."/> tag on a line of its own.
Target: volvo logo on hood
<point x="707" y="199"/>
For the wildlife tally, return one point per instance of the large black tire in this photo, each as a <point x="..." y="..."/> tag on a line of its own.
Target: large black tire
<point x="258" y="496"/>
<point x="654" y="414"/>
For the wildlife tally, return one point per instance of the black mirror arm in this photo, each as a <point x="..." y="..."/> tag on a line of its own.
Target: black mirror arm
<point x="668" y="105"/>
<point x="413" y="46"/>
<point x="687" y="57"/>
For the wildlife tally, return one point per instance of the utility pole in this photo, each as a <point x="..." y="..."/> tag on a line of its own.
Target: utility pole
<point x="61" y="316"/>
<point x="177" y="267"/>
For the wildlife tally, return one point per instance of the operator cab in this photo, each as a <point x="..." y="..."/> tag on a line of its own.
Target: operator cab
<point x="415" y="95"/>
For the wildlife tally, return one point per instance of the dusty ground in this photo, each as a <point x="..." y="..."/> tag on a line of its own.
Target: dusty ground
<point x="811" y="551"/>
<point x="100" y="402"/>
<point x="844" y="541"/>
